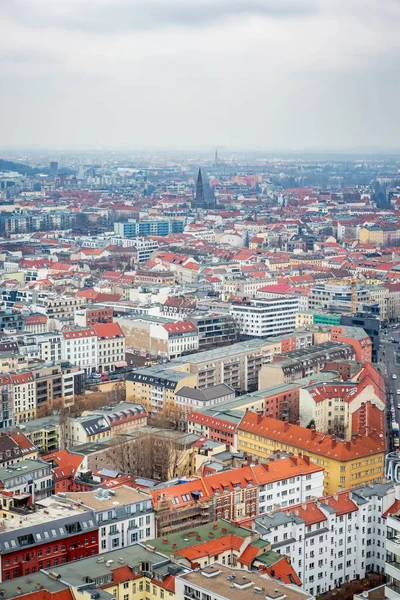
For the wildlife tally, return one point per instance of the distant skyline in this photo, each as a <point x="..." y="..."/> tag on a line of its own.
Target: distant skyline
<point x="273" y="75"/>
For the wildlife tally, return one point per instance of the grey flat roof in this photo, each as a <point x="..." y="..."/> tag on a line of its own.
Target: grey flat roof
<point x="210" y="393"/>
<point x="223" y="352"/>
<point x="9" y="588"/>
<point x="75" y="573"/>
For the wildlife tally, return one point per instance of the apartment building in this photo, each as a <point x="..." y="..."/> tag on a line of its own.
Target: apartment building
<point x="347" y="464"/>
<point x="219" y="426"/>
<point x="110" y="345"/>
<point x="24" y="396"/>
<point x="327" y="295"/>
<point x="237" y="365"/>
<point x="298" y="364"/>
<point x="392" y="563"/>
<point x="97" y="425"/>
<point x="125" y="574"/>
<point x="380" y="294"/>
<point x="159" y="336"/>
<point x="56" y="384"/>
<point x="335" y="539"/>
<point x="48" y="538"/>
<point x="11" y="320"/>
<point x="44" y="432"/>
<point x="79" y="346"/>
<point x="223" y="583"/>
<point x="393" y="301"/>
<point x="155" y="387"/>
<point x="193" y="398"/>
<point x="341" y="407"/>
<point x="243" y="286"/>
<point x="123" y="515"/>
<point x="35" y="323"/>
<point x="215" y="330"/>
<point x="355" y="337"/>
<point x="44" y="346"/>
<point x="267" y="317"/>
<point x="31" y="477"/>
<point x="55" y="306"/>
<point x="87" y="316"/>
<point x="6" y="401"/>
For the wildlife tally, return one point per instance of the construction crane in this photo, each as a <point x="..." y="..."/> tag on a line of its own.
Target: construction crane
<point x="353" y="303"/>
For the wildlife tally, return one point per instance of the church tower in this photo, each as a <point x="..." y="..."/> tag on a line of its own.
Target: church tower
<point x="199" y="198"/>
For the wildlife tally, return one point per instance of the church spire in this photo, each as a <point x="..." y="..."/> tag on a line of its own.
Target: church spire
<point x="199" y="199"/>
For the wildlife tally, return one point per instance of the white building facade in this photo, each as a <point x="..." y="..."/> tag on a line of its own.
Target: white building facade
<point x="335" y="539"/>
<point x="269" y="317"/>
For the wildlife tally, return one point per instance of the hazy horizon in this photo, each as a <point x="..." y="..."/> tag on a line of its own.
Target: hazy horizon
<point x="284" y="76"/>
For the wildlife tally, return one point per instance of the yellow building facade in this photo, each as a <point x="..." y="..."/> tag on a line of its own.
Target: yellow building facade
<point x="347" y="464"/>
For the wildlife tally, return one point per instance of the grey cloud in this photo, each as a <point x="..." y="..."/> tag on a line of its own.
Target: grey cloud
<point x="105" y="16"/>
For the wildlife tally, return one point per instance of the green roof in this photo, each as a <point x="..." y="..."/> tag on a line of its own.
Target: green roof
<point x="268" y="558"/>
<point x="187" y="539"/>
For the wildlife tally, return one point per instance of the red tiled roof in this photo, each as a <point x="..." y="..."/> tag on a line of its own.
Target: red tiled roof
<point x="392" y="510"/>
<point x="21" y="378"/>
<point x="67" y="463"/>
<point x="249" y="554"/>
<point x="212" y="547"/>
<point x="311" y="440"/>
<point x="180" y="327"/>
<point x="283" y="571"/>
<point x="108" y="330"/>
<point x="24" y="444"/>
<point x="179" y="491"/>
<point x="78" y="333"/>
<point x="42" y="320"/>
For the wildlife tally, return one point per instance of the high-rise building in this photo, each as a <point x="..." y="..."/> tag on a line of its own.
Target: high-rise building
<point x="53" y="168"/>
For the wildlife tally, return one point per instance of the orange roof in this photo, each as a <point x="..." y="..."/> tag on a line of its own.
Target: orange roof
<point x="283" y="571"/>
<point x="284" y="468"/>
<point x="311" y="440"/>
<point x="181" y="494"/>
<point x="392" y="510"/>
<point x="21" y="378"/>
<point x="212" y="547"/>
<point x="341" y="502"/>
<point x="229" y="480"/>
<point x="24" y="444"/>
<point x="248" y="555"/>
<point x="368" y="413"/>
<point x="121" y="574"/>
<point x="309" y="512"/>
<point x="211" y="421"/>
<point x="87" y="294"/>
<point x="108" y="330"/>
<point x="180" y="327"/>
<point x="67" y="464"/>
<point x="42" y="320"/>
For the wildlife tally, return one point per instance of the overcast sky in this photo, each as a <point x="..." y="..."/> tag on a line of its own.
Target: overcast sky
<point x="271" y="74"/>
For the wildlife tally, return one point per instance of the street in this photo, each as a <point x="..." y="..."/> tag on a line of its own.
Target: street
<point x="388" y="366"/>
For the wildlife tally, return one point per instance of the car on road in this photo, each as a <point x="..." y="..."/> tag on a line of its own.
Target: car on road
<point x="394" y="376"/>
<point x="398" y="391"/>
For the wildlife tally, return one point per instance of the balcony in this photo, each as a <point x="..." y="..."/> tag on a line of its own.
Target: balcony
<point x="392" y="589"/>
<point x="393" y="567"/>
<point x="393" y="545"/>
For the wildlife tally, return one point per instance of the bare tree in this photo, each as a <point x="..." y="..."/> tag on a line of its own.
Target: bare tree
<point x="150" y="455"/>
<point x="117" y="394"/>
<point x="171" y="416"/>
<point x="338" y="429"/>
